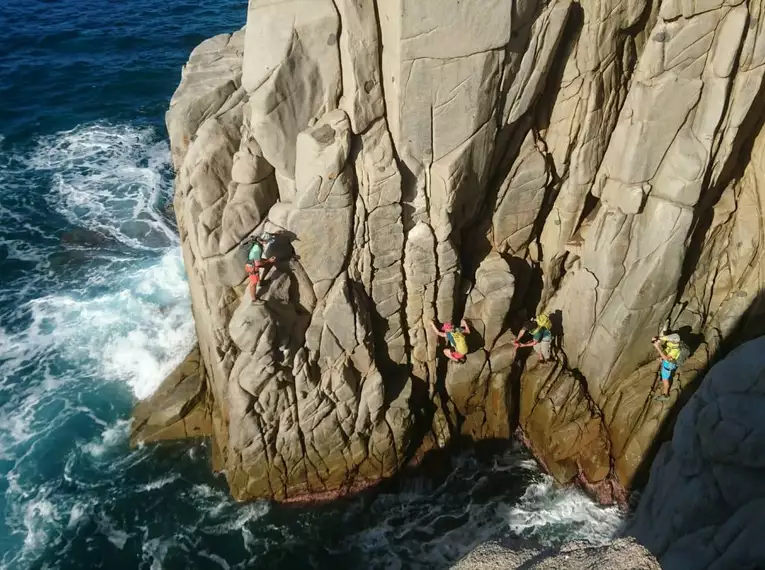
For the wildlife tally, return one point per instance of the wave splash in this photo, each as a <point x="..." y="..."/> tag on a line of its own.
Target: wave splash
<point x="551" y="515"/>
<point x="88" y="325"/>
<point x="110" y="179"/>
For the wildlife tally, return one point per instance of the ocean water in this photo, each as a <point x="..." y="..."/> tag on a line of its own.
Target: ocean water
<point x="94" y="311"/>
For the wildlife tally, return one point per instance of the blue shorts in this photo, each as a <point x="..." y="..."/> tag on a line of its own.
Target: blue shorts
<point x="667" y="368"/>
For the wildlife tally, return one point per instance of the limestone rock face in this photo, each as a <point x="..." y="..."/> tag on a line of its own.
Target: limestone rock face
<point x="432" y="160"/>
<point x="703" y="506"/>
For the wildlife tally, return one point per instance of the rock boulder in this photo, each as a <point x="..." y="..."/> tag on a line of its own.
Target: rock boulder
<point x="511" y="554"/>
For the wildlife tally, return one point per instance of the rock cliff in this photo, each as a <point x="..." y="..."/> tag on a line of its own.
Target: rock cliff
<point x="434" y="159"/>
<point x="703" y="506"/>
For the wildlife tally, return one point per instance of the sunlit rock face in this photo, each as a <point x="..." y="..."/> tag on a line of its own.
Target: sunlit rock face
<point x="432" y="159"/>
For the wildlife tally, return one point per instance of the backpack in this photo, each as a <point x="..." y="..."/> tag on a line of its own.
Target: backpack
<point x="264" y="239"/>
<point x="685" y="352"/>
<point x="675" y="345"/>
<point x="457" y="340"/>
<point x="543" y="320"/>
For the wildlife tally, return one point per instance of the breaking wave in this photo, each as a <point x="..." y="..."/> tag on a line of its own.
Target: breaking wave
<point x="95" y="312"/>
<point x="109" y="179"/>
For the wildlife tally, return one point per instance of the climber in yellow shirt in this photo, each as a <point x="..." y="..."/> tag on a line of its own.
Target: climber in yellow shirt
<point x="669" y="348"/>
<point x="458" y="348"/>
<point x="540" y="329"/>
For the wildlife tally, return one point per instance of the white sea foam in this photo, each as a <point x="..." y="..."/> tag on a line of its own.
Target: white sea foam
<point x="426" y="527"/>
<point x="77" y="514"/>
<point x="111" y="437"/>
<point x="115" y="535"/>
<point x="153" y="552"/>
<point x="39" y="513"/>
<point x="127" y="321"/>
<point x="206" y="492"/>
<point x="109" y="178"/>
<point x="244" y="514"/>
<point x="548" y="513"/>
<point x="126" y="335"/>
<point x="122" y="321"/>
<point x="21" y="250"/>
<point x="159" y="483"/>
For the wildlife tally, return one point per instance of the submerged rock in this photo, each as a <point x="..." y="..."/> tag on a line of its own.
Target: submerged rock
<point x="600" y="161"/>
<point x="87" y="238"/>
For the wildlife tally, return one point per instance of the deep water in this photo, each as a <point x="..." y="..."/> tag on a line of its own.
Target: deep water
<point x="94" y="311"/>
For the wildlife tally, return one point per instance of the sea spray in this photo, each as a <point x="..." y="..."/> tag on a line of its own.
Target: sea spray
<point x="78" y="344"/>
<point x="94" y="311"/>
<point x="105" y="331"/>
<point x="110" y="179"/>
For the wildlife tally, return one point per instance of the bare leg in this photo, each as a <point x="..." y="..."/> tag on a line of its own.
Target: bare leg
<point x="253" y="287"/>
<point x="545" y="352"/>
<point x="540" y="355"/>
<point x="449" y="355"/>
<point x="665" y="387"/>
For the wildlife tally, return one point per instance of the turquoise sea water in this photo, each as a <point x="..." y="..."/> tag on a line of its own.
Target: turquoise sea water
<point x="94" y="311"/>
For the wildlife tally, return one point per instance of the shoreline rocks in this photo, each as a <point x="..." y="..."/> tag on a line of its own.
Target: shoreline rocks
<point x="509" y="554"/>
<point x="178" y="409"/>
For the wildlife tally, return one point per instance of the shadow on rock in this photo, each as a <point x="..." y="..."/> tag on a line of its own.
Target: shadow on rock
<point x="750" y="325"/>
<point x="703" y="505"/>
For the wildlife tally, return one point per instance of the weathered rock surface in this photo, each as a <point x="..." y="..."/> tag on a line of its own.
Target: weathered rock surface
<point x="510" y="554"/>
<point x="178" y="408"/>
<point x="703" y="506"/>
<point x="426" y="159"/>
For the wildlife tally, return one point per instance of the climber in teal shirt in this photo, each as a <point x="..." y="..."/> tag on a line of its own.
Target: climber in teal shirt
<point x="255" y="262"/>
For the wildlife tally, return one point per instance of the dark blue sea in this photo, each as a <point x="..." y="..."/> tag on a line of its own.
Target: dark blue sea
<point x="94" y="312"/>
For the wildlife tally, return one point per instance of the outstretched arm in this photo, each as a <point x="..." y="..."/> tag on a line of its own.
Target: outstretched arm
<point x="520" y="344"/>
<point x="436" y="330"/>
<point x="464" y="325"/>
<point x="657" y="346"/>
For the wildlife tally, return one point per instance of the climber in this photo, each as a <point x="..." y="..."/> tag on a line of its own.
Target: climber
<point x="255" y="262"/>
<point x="457" y="349"/>
<point x="541" y="337"/>
<point x="672" y="353"/>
